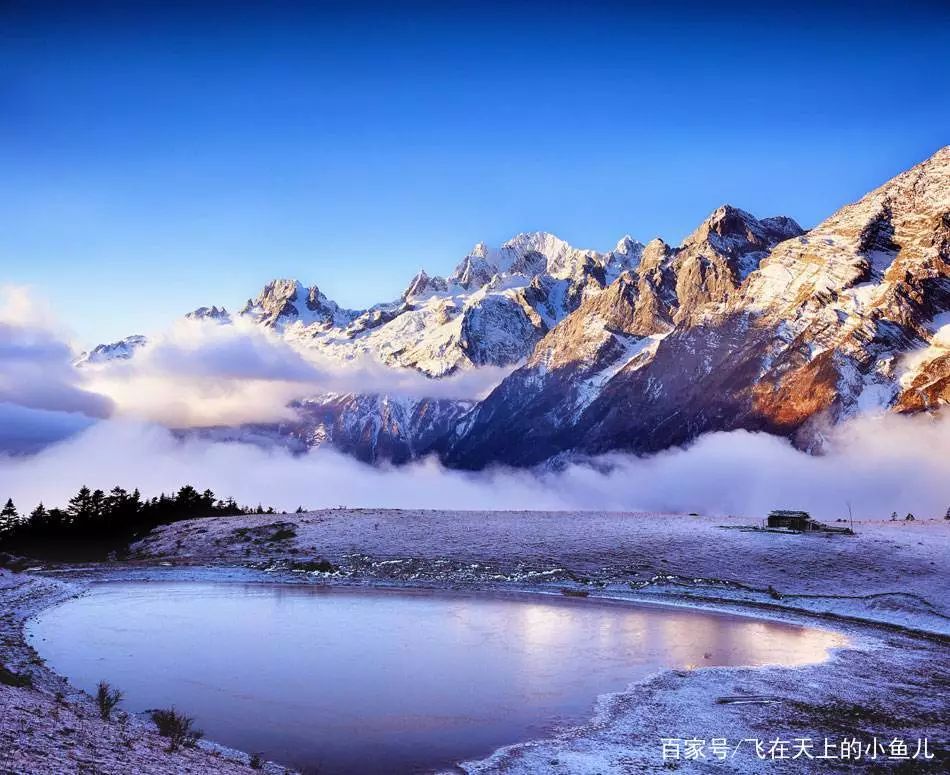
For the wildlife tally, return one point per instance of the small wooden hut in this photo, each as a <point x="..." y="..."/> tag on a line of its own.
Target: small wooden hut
<point x="792" y="520"/>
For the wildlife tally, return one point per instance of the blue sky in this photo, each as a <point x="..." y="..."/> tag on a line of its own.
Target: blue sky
<point x="157" y="157"/>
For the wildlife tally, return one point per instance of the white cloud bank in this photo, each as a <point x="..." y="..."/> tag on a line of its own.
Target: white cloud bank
<point x="42" y="398"/>
<point x="198" y="373"/>
<point x="202" y="373"/>
<point x="881" y="465"/>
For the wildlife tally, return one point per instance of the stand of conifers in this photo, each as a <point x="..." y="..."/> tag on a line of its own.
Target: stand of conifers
<point x="95" y="523"/>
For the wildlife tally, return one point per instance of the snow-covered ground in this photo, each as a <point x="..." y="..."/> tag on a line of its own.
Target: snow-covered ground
<point x="894" y="572"/>
<point x="884" y="589"/>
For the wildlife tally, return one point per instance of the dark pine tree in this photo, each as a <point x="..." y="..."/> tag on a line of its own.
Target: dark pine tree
<point x="9" y="517"/>
<point x="79" y="508"/>
<point x="39" y="517"/>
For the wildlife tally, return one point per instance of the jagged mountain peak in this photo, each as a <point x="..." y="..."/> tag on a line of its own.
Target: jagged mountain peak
<point x="473" y="272"/>
<point x="655" y="244"/>
<point x="423" y="285"/>
<point x="283" y="288"/>
<point x="217" y="314"/>
<point x="285" y="301"/>
<point x="519" y="255"/>
<point x="732" y="231"/>
<point x="480" y="250"/>
<point x="849" y="317"/>
<point x="898" y="231"/>
<point x="121" y="350"/>
<point x="729" y="214"/>
<point x="563" y="259"/>
<point x="625" y="256"/>
<point x="627" y="245"/>
<point x="782" y="224"/>
<point x="540" y="241"/>
<point x="654" y="253"/>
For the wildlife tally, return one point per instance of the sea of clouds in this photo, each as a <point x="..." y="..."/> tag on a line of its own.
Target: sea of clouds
<point x="61" y="427"/>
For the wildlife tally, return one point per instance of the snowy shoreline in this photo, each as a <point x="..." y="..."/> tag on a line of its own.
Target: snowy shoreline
<point x="861" y="690"/>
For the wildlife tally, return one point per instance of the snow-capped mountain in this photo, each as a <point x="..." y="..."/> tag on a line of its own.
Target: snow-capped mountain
<point x="849" y="316"/>
<point x="217" y="314"/>
<point x="491" y="310"/>
<point x="114" y="351"/>
<point x="749" y="323"/>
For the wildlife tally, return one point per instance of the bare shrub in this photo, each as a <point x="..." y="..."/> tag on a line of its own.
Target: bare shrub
<point x="177" y="727"/>
<point x="10" y="678"/>
<point x="107" y="698"/>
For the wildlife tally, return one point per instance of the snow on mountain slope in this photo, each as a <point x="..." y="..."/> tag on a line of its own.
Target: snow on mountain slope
<point x="491" y="310"/>
<point x="121" y="350"/>
<point x="924" y="383"/>
<point x="816" y="332"/>
<point x="371" y="427"/>
<point x="854" y="295"/>
<point x="613" y="333"/>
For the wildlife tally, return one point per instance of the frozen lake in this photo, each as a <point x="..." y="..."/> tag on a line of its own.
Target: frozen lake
<point x="369" y="681"/>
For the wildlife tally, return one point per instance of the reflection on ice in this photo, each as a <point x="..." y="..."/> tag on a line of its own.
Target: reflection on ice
<point x="381" y="681"/>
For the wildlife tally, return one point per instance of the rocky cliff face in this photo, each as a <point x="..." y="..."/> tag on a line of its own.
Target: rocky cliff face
<point x="376" y="428"/>
<point x="618" y="330"/>
<point x="372" y="428"/>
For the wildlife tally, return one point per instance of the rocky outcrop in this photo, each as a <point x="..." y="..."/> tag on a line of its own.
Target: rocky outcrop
<point x="716" y="258"/>
<point x="928" y="387"/>
<point x="423" y="285"/>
